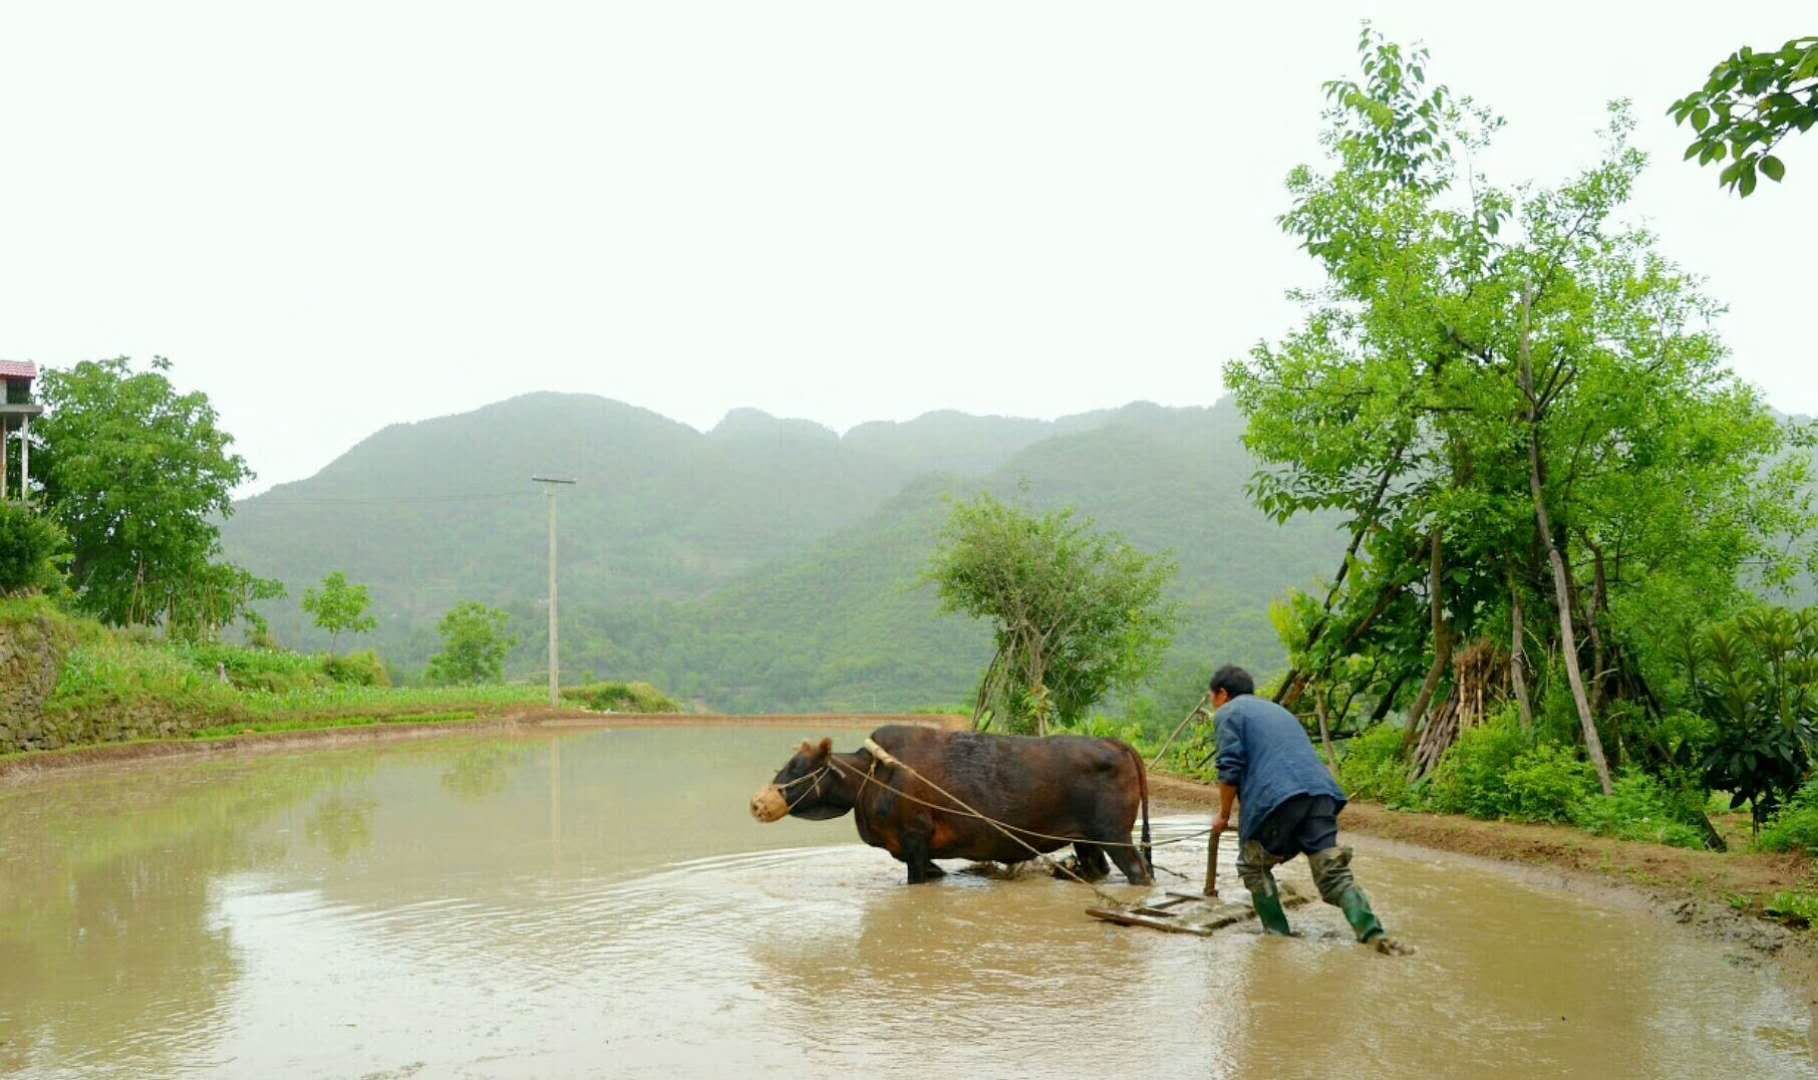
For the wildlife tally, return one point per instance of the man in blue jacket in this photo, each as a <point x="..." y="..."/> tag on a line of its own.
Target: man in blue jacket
<point x="1290" y="806"/>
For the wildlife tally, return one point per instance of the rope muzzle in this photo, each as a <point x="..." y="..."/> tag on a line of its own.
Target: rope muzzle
<point x="772" y="804"/>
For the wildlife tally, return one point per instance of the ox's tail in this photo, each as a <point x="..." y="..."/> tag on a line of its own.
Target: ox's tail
<point x="1142" y="789"/>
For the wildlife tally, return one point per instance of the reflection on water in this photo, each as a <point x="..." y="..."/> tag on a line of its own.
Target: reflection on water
<point x="601" y="903"/>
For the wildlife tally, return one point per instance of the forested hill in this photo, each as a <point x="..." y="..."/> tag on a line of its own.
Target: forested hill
<point x="767" y="564"/>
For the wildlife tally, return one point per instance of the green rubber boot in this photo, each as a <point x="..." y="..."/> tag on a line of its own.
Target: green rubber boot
<point x="1270" y="913"/>
<point x="1356" y="907"/>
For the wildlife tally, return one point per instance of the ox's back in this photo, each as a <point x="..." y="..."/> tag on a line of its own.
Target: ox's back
<point x="1013" y="777"/>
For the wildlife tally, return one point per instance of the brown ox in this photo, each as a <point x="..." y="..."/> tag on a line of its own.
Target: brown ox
<point x="1083" y="791"/>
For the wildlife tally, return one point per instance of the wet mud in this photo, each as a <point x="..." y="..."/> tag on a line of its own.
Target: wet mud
<point x="591" y="902"/>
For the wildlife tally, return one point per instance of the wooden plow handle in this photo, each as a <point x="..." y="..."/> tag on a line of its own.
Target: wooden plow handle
<point x="1212" y="862"/>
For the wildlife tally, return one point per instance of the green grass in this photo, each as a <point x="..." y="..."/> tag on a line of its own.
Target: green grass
<point x="133" y="686"/>
<point x="386" y="702"/>
<point x="1793" y="906"/>
<point x="632" y="697"/>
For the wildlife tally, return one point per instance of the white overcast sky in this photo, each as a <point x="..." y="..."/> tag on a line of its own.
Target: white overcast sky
<point x="333" y="216"/>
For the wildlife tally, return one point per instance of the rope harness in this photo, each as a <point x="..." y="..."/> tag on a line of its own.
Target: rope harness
<point x="815" y="790"/>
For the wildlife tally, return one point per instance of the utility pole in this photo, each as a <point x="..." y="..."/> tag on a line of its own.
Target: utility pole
<point x="555" y="663"/>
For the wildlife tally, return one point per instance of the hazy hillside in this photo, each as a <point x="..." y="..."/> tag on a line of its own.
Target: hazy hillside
<point x="768" y="563"/>
<point x="848" y="624"/>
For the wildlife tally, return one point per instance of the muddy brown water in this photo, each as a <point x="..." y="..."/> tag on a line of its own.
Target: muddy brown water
<point x="598" y="903"/>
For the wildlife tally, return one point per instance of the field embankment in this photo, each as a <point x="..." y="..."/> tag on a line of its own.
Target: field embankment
<point x="69" y="682"/>
<point x="1693" y="885"/>
<point x="327" y="732"/>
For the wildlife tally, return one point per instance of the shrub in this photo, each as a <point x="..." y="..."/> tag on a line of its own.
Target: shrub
<point x="1545" y="782"/>
<point x="357" y="669"/>
<point x="1372" y="767"/>
<point x="1795" y="826"/>
<point x="266" y="670"/>
<point x="475" y="642"/>
<point x="32" y="547"/>
<point x="1500" y="770"/>
<point x="1642" y="807"/>
<point x="1472" y="778"/>
<point x="1798" y="908"/>
<point x="634" y="697"/>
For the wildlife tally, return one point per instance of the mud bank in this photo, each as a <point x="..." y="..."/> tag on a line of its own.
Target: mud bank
<point x="19" y="767"/>
<point x="1718" y="894"/>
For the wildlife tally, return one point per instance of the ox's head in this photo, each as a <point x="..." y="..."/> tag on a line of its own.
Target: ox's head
<point x="802" y="788"/>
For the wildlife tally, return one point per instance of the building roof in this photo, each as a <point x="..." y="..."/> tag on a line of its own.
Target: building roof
<point x="18" y="369"/>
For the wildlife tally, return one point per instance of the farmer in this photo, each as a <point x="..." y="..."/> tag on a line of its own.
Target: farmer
<point x="1290" y="806"/>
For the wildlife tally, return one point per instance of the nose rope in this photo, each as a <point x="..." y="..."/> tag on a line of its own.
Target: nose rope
<point x="815" y="776"/>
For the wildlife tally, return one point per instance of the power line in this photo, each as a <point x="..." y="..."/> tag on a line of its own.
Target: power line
<point x="311" y="500"/>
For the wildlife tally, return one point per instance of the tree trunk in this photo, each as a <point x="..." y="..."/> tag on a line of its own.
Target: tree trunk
<point x="1442" y="643"/>
<point x="985" y="686"/>
<point x="1296" y="681"/>
<point x="1601" y="658"/>
<point x="1385" y="703"/>
<point x="1325" y="732"/>
<point x="1518" y="675"/>
<point x="1562" y="594"/>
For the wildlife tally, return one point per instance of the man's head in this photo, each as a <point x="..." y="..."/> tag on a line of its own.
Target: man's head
<point x="1228" y="682"/>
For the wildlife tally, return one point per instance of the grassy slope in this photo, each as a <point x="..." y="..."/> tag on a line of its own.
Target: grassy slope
<point x="848" y="625"/>
<point x="116" y="685"/>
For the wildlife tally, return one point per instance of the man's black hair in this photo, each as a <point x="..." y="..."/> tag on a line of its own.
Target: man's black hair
<point x="1233" y="680"/>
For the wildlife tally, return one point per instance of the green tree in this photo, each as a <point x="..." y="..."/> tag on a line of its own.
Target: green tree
<point x="339" y="608"/>
<point x="139" y="475"/>
<point x="1749" y="103"/>
<point x="1756" y="677"/>
<point x="1077" y="613"/>
<point x="32" y="549"/>
<point x="1501" y="392"/>
<point x="475" y="642"/>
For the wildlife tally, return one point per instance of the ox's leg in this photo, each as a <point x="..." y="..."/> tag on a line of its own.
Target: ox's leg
<point x="915" y="853"/>
<point x="1130" y="861"/>
<point x="1091" y="861"/>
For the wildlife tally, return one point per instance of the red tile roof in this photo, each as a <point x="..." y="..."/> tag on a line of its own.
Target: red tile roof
<point x="18" y="369"/>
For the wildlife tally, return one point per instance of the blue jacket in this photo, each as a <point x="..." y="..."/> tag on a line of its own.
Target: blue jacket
<point x="1265" y="753"/>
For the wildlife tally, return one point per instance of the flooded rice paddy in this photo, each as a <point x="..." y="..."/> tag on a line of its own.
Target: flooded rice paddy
<point x="599" y="903"/>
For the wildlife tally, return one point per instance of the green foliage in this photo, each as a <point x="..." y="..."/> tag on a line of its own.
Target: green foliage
<point x="32" y="550"/>
<point x="1793" y="905"/>
<point x="122" y="685"/>
<point x="1498" y="771"/>
<point x="264" y="670"/>
<point x="1642" y="807"/>
<point x="475" y="642"/>
<point x="1473" y="778"/>
<point x="1490" y="376"/>
<point x="363" y="668"/>
<point x="114" y="685"/>
<point x="1756" y="678"/>
<point x="339" y="608"/>
<point x="1370" y="766"/>
<point x="623" y="697"/>
<point x="1794" y="826"/>
<point x="1076" y="613"/>
<point x="1100" y="726"/>
<point x="139" y="475"/>
<point x="1749" y="103"/>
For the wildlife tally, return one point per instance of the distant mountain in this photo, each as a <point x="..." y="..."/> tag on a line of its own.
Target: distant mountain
<point x="768" y="563"/>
